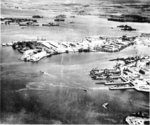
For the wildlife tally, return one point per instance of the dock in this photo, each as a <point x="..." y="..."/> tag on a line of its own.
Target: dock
<point x="116" y="83"/>
<point x="121" y="87"/>
<point x="125" y="76"/>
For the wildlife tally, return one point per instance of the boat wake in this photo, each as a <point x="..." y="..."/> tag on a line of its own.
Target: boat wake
<point x="100" y="88"/>
<point x="48" y="74"/>
<point x="47" y="86"/>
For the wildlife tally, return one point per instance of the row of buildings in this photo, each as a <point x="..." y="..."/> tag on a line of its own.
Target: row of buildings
<point x="89" y="44"/>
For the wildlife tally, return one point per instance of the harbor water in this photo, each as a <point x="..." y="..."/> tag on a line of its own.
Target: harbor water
<point x="65" y="89"/>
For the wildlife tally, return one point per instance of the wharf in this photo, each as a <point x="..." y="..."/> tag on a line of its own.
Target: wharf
<point x="125" y="76"/>
<point x="116" y="83"/>
<point x="119" y="87"/>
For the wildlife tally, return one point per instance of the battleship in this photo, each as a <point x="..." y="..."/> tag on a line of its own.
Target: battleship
<point x="130" y="60"/>
<point x="104" y="73"/>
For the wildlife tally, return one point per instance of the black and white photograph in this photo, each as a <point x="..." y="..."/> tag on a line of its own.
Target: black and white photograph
<point x="75" y="62"/>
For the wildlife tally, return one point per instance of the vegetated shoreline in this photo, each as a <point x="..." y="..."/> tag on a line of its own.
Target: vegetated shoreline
<point x="129" y="18"/>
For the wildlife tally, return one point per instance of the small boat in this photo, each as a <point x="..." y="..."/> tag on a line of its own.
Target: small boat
<point x="3" y="44"/>
<point x="9" y="44"/>
<point x="43" y="72"/>
<point x="105" y="105"/>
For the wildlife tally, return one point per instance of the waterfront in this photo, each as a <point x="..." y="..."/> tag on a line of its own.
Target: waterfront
<point x="63" y="86"/>
<point x="65" y="93"/>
